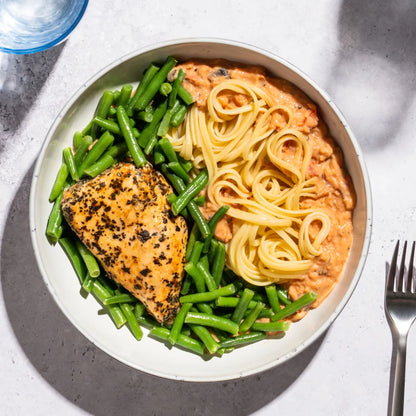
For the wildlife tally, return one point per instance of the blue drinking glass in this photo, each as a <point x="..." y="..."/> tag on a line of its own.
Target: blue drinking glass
<point x="28" y="26"/>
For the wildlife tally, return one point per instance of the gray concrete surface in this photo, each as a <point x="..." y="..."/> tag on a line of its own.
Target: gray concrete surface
<point x="363" y="54"/>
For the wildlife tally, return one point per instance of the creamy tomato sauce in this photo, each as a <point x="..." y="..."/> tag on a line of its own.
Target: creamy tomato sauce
<point x="334" y="188"/>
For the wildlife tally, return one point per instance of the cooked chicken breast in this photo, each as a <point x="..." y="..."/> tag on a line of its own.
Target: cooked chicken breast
<point x="124" y="219"/>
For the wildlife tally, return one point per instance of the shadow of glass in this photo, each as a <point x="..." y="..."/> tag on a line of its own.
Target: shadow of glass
<point x="90" y="378"/>
<point x="21" y="79"/>
<point x="373" y="77"/>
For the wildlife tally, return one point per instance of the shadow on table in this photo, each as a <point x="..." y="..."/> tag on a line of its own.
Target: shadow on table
<point x="22" y="78"/>
<point x="373" y="77"/>
<point x="90" y="378"/>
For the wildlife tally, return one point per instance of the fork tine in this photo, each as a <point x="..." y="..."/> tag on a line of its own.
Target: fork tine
<point x="399" y="280"/>
<point x="410" y="270"/>
<point x="392" y="269"/>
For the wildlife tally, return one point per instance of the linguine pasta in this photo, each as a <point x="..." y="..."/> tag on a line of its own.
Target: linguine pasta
<point x="261" y="172"/>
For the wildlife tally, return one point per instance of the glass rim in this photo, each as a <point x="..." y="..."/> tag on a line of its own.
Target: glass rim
<point x="52" y="42"/>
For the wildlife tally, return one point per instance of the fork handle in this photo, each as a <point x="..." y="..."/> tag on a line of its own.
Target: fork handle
<point x="397" y="386"/>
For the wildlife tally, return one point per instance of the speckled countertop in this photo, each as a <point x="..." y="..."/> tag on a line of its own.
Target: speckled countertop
<point x="363" y="54"/>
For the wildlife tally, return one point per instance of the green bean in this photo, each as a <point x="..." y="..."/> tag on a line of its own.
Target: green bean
<point x="196" y="252"/>
<point x="209" y="296"/>
<point x="101" y="293"/>
<point x="213" y="321"/>
<point x="165" y="89"/>
<point x="212" y="250"/>
<point x="213" y="222"/>
<point x="60" y="182"/>
<point x="203" y="268"/>
<point x="283" y="296"/>
<point x="151" y="144"/>
<point x="243" y="339"/>
<point x="132" y="323"/>
<point x="217" y="216"/>
<point x="271" y="326"/>
<point x="271" y="293"/>
<point x="116" y="95"/>
<point x="109" y="125"/>
<point x="242" y="305"/>
<point x="53" y="228"/>
<point x="178" y="116"/>
<point x="147" y="321"/>
<point x="183" y="341"/>
<point x="218" y="263"/>
<point x="197" y="216"/>
<point x="187" y="165"/>
<point x="178" y="323"/>
<point x="194" y="211"/>
<point x="165" y="123"/>
<point x="88" y="283"/>
<point x="168" y="150"/>
<point x="125" y="95"/>
<point x="251" y="317"/>
<point x="100" y="146"/>
<point x="192" y="239"/>
<point x="178" y="170"/>
<point x="147" y="77"/>
<point x="77" y="138"/>
<point x="186" y="285"/>
<point x="155" y="83"/>
<point x="186" y="331"/>
<point x="199" y="200"/>
<point x="152" y="127"/>
<point x="205" y="336"/>
<point x="87" y="129"/>
<point x="172" y="197"/>
<point x="158" y="157"/>
<point x="145" y="116"/>
<point x="102" y="110"/>
<point x="204" y="307"/>
<point x="176" y="84"/>
<point x="69" y="161"/>
<point x="75" y="258"/>
<point x="89" y="260"/>
<point x="139" y="309"/>
<point x="109" y="286"/>
<point x="232" y="302"/>
<point x="134" y="149"/>
<point x="82" y="150"/>
<point x="116" y="150"/>
<point x="191" y="190"/>
<point x="265" y="313"/>
<point x="295" y="306"/>
<point x="121" y="298"/>
<point x="258" y="295"/>
<point x="197" y="277"/>
<point x="99" y="166"/>
<point x="185" y="95"/>
<point x="112" y="111"/>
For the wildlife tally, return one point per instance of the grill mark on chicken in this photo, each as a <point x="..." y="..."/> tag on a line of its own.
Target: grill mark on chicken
<point x="122" y="216"/>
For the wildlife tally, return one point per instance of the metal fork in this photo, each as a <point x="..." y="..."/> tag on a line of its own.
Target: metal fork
<point x="400" y="306"/>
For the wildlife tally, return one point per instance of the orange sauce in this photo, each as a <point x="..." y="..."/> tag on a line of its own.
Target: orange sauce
<point x="334" y="187"/>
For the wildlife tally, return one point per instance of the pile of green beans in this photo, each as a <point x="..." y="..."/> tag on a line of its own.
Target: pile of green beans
<point x="218" y="310"/>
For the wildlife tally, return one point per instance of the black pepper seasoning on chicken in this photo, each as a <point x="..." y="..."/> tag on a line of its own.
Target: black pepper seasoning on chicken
<point x="122" y="216"/>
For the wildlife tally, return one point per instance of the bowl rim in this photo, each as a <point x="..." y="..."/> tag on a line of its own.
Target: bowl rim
<point x="52" y="42"/>
<point x="369" y="208"/>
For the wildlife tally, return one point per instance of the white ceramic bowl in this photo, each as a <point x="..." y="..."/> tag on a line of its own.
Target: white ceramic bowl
<point x="150" y="355"/>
